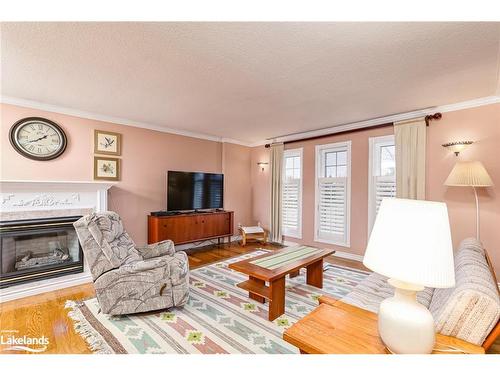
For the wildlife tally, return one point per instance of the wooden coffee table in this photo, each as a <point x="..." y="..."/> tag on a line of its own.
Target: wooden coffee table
<point x="272" y="268"/>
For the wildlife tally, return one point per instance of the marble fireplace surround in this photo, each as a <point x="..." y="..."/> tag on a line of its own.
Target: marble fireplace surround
<point x="43" y="199"/>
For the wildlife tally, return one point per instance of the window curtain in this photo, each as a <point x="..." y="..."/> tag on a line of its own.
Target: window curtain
<point x="410" y="140"/>
<point x="277" y="150"/>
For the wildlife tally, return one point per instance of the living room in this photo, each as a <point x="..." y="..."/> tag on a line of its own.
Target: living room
<point x="250" y="188"/>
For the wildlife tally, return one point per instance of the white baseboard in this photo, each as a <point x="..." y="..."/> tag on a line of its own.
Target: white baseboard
<point x="290" y="243"/>
<point x="350" y="256"/>
<point x="49" y="285"/>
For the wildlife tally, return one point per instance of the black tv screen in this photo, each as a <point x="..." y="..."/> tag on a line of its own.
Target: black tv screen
<point x="194" y="191"/>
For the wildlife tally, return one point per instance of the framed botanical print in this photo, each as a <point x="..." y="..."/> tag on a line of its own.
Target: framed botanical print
<point x="106" y="168"/>
<point x="108" y="143"/>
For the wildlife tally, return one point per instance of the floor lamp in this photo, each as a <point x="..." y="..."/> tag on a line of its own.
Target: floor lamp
<point x="470" y="173"/>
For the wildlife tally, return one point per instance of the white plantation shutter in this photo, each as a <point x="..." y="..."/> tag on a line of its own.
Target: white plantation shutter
<point x="385" y="187"/>
<point x="332" y="208"/>
<point x="333" y="193"/>
<point x="291" y="194"/>
<point x="291" y="209"/>
<point x="382" y="175"/>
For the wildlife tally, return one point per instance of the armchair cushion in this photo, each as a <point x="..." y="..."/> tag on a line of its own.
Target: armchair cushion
<point x="144" y="285"/>
<point x="157" y="249"/>
<point x="120" y="292"/>
<point x="107" y="230"/>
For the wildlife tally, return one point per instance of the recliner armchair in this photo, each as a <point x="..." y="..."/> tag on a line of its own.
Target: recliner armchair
<point x="130" y="279"/>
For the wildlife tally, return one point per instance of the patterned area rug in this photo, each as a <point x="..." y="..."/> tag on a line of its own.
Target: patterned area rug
<point x="218" y="318"/>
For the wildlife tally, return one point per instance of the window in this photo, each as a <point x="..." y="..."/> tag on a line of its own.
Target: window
<point x="382" y="174"/>
<point x="292" y="193"/>
<point x="333" y="191"/>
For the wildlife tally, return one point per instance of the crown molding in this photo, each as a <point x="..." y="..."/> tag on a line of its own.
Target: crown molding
<point x="383" y="120"/>
<point x="260" y="143"/>
<point x="115" y="120"/>
<point x="284" y="138"/>
<point x="236" y="142"/>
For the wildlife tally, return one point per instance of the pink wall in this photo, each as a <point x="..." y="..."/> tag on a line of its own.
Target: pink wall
<point x="237" y="180"/>
<point x="481" y="124"/>
<point x="261" y="195"/>
<point x="146" y="157"/>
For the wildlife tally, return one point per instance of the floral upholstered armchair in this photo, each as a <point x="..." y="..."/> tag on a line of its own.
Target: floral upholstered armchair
<point x="130" y="279"/>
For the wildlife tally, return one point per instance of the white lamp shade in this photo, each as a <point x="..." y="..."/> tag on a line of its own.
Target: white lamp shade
<point x="411" y="242"/>
<point x="469" y="173"/>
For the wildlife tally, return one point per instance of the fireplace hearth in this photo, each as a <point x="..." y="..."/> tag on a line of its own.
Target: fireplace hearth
<point x="38" y="249"/>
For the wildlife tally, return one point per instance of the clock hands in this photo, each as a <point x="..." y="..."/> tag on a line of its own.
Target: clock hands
<point x="38" y="139"/>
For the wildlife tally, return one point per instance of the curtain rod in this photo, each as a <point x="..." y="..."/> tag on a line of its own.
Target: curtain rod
<point x="428" y="119"/>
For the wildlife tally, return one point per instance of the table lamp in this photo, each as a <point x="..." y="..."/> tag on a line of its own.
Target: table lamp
<point x="411" y="244"/>
<point x="470" y="173"/>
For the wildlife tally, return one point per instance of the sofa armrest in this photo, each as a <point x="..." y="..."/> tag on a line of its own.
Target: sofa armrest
<point x="157" y="249"/>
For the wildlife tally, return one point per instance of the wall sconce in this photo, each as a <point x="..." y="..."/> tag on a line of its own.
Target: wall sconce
<point x="457" y="147"/>
<point x="261" y="164"/>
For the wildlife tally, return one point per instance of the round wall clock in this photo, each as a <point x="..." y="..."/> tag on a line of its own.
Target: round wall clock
<point x="38" y="138"/>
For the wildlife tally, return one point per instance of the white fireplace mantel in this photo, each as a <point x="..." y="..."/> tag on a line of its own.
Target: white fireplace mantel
<point x="42" y="195"/>
<point x="40" y="199"/>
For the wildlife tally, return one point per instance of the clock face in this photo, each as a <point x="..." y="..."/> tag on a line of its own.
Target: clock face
<point x="38" y="138"/>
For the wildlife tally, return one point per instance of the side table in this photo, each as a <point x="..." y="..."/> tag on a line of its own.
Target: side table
<point x="335" y="327"/>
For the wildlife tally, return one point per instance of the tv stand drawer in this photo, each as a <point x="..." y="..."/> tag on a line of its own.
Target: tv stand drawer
<point x="186" y="228"/>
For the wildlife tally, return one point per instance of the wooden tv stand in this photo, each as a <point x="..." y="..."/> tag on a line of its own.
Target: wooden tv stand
<point x="191" y="227"/>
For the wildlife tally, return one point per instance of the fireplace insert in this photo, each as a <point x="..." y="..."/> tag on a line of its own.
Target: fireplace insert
<point x="38" y="249"/>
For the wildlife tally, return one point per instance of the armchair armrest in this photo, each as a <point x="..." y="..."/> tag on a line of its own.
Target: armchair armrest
<point x="157" y="249"/>
<point x="143" y="265"/>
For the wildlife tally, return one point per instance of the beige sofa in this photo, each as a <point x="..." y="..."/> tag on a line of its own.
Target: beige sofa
<point x="469" y="311"/>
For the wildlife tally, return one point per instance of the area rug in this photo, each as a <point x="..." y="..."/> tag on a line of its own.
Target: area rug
<point x="218" y="318"/>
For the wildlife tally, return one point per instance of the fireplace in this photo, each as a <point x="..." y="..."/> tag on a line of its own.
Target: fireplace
<point x="38" y="249"/>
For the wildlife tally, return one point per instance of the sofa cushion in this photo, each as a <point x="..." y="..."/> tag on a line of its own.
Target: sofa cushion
<point x="374" y="289"/>
<point x="471" y="309"/>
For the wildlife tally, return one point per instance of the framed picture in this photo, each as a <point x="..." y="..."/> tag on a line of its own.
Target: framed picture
<point x="106" y="168"/>
<point x="108" y="143"/>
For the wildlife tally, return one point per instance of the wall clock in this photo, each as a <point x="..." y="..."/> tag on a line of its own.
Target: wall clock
<point x="38" y="138"/>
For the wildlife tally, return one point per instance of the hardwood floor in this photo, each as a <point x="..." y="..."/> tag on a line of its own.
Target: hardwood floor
<point x="45" y="314"/>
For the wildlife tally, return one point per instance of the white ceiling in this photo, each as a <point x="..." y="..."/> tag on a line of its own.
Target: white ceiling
<point x="249" y="81"/>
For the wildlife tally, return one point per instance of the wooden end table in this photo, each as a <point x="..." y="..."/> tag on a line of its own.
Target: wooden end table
<point x="335" y="327"/>
<point x="273" y="268"/>
<point x="257" y="236"/>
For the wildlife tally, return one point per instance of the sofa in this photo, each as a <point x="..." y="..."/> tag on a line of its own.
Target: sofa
<point x="470" y="311"/>
<point x="127" y="278"/>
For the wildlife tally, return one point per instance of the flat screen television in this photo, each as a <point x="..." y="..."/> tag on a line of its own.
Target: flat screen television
<point x="194" y="191"/>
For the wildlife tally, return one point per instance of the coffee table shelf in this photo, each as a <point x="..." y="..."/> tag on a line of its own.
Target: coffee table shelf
<point x="256" y="288"/>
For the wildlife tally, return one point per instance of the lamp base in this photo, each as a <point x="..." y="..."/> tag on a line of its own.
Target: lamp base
<point x="406" y="326"/>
